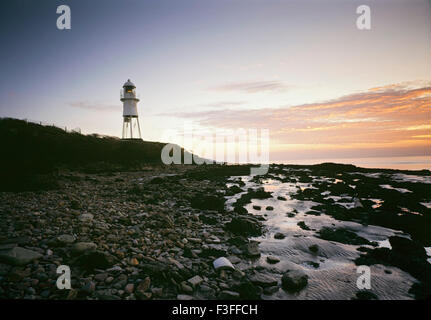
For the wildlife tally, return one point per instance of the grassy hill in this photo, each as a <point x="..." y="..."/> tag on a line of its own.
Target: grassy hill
<point x="33" y="152"/>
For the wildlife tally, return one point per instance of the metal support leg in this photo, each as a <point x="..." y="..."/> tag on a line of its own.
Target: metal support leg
<point x="139" y="128"/>
<point x="122" y="135"/>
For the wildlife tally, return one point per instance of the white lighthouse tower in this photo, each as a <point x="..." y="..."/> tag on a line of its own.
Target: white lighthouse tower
<point x="130" y="112"/>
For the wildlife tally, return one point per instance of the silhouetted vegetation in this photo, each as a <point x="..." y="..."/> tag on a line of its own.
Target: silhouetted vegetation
<point x="32" y="154"/>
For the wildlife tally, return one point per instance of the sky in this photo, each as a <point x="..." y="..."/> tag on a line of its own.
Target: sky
<point x="301" y="69"/>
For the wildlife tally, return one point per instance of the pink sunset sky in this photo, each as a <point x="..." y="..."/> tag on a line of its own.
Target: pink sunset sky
<point x="301" y="69"/>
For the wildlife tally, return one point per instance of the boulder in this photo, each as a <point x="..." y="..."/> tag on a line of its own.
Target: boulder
<point x="63" y="240"/>
<point x="270" y="290"/>
<point x="86" y="217"/>
<point x="263" y="280"/>
<point x="314" y="248"/>
<point x="252" y="249"/>
<point x="228" y="295"/>
<point x="365" y="295"/>
<point x="81" y="247"/>
<point x="19" y="256"/>
<point x="195" y="281"/>
<point x="342" y="236"/>
<point x="279" y="236"/>
<point x="213" y="250"/>
<point x="222" y="263"/>
<point x="272" y="259"/>
<point x="244" y="226"/>
<point x="205" y="292"/>
<point x="294" y="280"/>
<point x="303" y="226"/>
<point x="208" y="202"/>
<point x="407" y="247"/>
<point x="95" y="260"/>
<point x="247" y="290"/>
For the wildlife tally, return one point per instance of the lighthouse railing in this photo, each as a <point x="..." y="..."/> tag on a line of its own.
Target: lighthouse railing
<point x="136" y="95"/>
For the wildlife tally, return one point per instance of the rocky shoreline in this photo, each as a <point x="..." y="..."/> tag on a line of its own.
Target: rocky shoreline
<point x="157" y="233"/>
<point x="130" y="235"/>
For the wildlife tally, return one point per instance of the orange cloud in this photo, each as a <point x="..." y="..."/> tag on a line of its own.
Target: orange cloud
<point x="378" y="119"/>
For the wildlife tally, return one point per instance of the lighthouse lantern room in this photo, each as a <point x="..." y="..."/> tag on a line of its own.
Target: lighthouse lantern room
<point x="131" y="128"/>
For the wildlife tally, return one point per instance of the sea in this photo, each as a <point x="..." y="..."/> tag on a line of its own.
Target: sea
<point x="400" y="163"/>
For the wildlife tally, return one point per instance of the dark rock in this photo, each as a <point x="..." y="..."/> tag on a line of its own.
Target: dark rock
<point x="263" y="280"/>
<point x="365" y="295"/>
<point x="313" y="248"/>
<point x="313" y="264"/>
<point x="81" y="247"/>
<point x="303" y="226"/>
<point x="19" y="256"/>
<point x="233" y="190"/>
<point x="188" y="253"/>
<point x="214" y="250"/>
<point x="342" y="236"/>
<point x="252" y="249"/>
<point x="259" y="193"/>
<point x="240" y="209"/>
<point x="208" y="202"/>
<point x="279" y="236"/>
<point x="205" y="292"/>
<point x="195" y="281"/>
<point x="95" y="260"/>
<point x="75" y="204"/>
<point x="157" y="180"/>
<point x="247" y="290"/>
<point x="270" y="290"/>
<point x="158" y="270"/>
<point x="89" y="287"/>
<point x="228" y="295"/>
<point x="294" y="280"/>
<point x="45" y="293"/>
<point x="313" y="212"/>
<point x="62" y="240"/>
<point x="238" y="240"/>
<point x="244" y="226"/>
<point x="407" y="247"/>
<point x="208" y="219"/>
<point x="272" y="259"/>
<point x="143" y="287"/>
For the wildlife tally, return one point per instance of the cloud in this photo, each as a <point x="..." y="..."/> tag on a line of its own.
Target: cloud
<point x="222" y="104"/>
<point x="379" y="118"/>
<point x="252" y="87"/>
<point x="94" y="106"/>
<point x="418" y="127"/>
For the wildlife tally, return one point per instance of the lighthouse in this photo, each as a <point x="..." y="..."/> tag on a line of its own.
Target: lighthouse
<point x="131" y="129"/>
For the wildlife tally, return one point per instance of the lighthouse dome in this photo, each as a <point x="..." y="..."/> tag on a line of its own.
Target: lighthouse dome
<point x="129" y="84"/>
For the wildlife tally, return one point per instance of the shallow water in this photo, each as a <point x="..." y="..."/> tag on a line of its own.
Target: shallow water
<point x="336" y="274"/>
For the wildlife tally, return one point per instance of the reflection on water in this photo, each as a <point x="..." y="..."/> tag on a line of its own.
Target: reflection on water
<point x="331" y="270"/>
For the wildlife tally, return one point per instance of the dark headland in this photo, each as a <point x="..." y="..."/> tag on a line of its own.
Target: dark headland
<point x="130" y="227"/>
